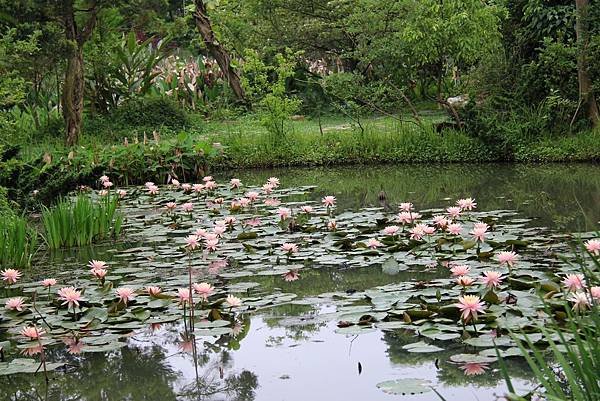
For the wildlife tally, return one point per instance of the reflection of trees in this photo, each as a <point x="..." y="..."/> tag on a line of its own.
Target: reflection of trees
<point x="448" y="372"/>
<point x="551" y="192"/>
<point x="140" y="373"/>
<point x="128" y="374"/>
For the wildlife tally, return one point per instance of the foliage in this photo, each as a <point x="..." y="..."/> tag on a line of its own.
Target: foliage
<point x="18" y="241"/>
<point x="574" y="349"/>
<point x="267" y="85"/>
<point x="82" y="221"/>
<point x="151" y="111"/>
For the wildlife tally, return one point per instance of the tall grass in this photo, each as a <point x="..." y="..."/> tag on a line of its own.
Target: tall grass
<point x="569" y="369"/>
<point x="17" y="242"/>
<point x="82" y="221"/>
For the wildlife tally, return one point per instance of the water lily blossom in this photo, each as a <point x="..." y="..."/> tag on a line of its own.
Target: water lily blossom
<point x="97" y="264"/>
<point x="469" y="305"/>
<point x="460" y="270"/>
<point x="306" y="209"/>
<point x="454" y="228"/>
<point x="465" y="281"/>
<point x="373" y="243"/>
<point x="233" y="301"/>
<point x="15" y="304"/>
<point x="192" y="242"/>
<point x="273" y="181"/>
<point x="153" y="291"/>
<point x="479" y="231"/>
<point x="508" y="258"/>
<point x="70" y="296"/>
<point x="574" y="282"/>
<point x="125" y="294"/>
<point x="453" y="211"/>
<point x="184" y="295"/>
<point x="11" y="276"/>
<point x="32" y="332"/>
<point x="406" y="206"/>
<point x="204" y="290"/>
<point x="580" y="301"/>
<point x="187" y="207"/>
<point x="284" y="213"/>
<point x="49" y="282"/>
<point x="289" y="248"/>
<point x="491" y="279"/>
<point x="235" y="183"/>
<point x="391" y="230"/>
<point x="593" y="246"/>
<point x="466" y="204"/>
<point x="328" y="201"/>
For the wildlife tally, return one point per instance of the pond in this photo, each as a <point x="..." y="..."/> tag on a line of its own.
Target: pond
<point x="341" y="318"/>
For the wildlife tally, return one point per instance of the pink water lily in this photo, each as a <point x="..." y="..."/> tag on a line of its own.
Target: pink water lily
<point x="125" y="294"/>
<point x="465" y="281"/>
<point x="508" y="258"/>
<point x="491" y="279"/>
<point x="233" y="301"/>
<point x="273" y="181"/>
<point x="328" y="201"/>
<point x="466" y="204"/>
<point x="574" y="282"/>
<point x="210" y="185"/>
<point x="170" y="206"/>
<point x="306" y="209"/>
<point x="470" y="305"/>
<point x="97" y="264"/>
<point x="184" y="295"/>
<point x="192" y="242"/>
<point x="460" y="270"/>
<point x="15" y="304"/>
<point x="454" y="228"/>
<point x="32" y="332"/>
<point x="332" y="225"/>
<point x="235" y="183"/>
<point x="580" y="301"/>
<point x="391" y="230"/>
<point x="289" y="248"/>
<point x="49" y="282"/>
<point x="453" y="211"/>
<point x="593" y="246"/>
<point x="11" y="276"/>
<point x="70" y="296"/>
<point x="208" y="178"/>
<point x="272" y="202"/>
<point x="153" y="190"/>
<point x="186" y="187"/>
<point x="284" y="213"/>
<point x="267" y="188"/>
<point x="187" y="207"/>
<point x="175" y="183"/>
<point x="204" y="290"/>
<point x="406" y="206"/>
<point x="153" y="291"/>
<point x="373" y="243"/>
<point x="440" y="221"/>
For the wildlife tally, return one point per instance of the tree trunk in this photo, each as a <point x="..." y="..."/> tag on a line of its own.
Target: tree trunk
<point x="586" y="96"/>
<point x="73" y="96"/>
<point x="217" y="51"/>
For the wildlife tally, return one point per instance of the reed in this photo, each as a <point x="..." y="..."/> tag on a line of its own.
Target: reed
<point x="18" y="242"/>
<point x="81" y="221"/>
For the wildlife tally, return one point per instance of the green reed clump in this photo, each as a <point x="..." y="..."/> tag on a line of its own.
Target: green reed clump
<point x="568" y="369"/>
<point x="82" y="221"/>
<point x="17" y="241"/>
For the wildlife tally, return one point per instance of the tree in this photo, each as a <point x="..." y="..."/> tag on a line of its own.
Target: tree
<point x="586" y="95"/>
<point x="217" y="50"/>
<point x="73" y="88"/>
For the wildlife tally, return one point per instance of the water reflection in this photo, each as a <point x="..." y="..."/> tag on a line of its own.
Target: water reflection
<point x="561" y="196"/>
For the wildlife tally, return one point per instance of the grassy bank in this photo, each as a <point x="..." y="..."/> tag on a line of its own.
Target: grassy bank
<point x="134" y="156"/>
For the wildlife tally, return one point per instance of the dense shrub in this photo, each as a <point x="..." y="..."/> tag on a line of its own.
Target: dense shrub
<point x="150" y="112"/>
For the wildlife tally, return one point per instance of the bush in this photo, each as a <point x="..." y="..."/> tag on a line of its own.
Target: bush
<point x="152" y="111"/>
